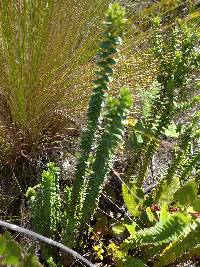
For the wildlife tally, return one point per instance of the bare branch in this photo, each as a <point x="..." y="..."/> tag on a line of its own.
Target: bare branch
<point x="46" y="240"/>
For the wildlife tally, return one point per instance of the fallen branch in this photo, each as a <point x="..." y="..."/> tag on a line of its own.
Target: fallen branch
<point x="46" y="240"/>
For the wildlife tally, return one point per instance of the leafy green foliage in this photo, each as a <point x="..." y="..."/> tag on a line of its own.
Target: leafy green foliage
<point x="171" y="131"/>
<point x="187" y="194"/>
<point x="165" y="190"/>
<point x="133" y="198"/>
<point x="104" y="131"/>
<point x="122" y="258"/>
<point x="166" y="241"/>
<point x="177" y="59"/>
<point x="118" y="229"/>
<point x="12" y="253"/>
<point x="45" y="204"/>
<point x="45" y="207"/>
<point x="42" y="89"/>
<point x="117" y="111"/>
<point x="184" y="244"/>
<point x="177" y="189"/>
<point x="168" y="231"/>
<point x="92" y="170"/>
<point x="128" y="261"/>
<point x="105" y="62"/>
<point x="163" y="232"/>
<point x="98" y="145"/>
<point x="99" y="251"/>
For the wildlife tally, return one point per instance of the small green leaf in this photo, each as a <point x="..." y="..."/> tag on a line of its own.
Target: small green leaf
<point x="164" y="214"/>
<point x="171" y="131"/>
<point x="196" y="205"/>
<point x="105" y="44"/>
<point x="150" y="214"/>
<point x="118" y="229"/>
<point x="131" y="228"/>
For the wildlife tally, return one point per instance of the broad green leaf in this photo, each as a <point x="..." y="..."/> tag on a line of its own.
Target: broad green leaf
<point x="186" y="194"/>
<point x="196" y="205"/>
<point x="2" y="245"/>
<point x="133" y="198"/>
<point x="13" y="253"/>
<point x="165" y="191"/>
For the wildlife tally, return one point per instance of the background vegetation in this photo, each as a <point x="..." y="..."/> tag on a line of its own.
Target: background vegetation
<point x="81" y="162"/>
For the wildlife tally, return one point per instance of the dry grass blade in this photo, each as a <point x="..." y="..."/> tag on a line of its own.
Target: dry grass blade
<point x="44" y="46"/>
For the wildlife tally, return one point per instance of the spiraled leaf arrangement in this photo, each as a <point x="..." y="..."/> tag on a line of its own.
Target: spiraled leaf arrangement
<point x="47" y="202"/>
<point x="92" y="170"/>
<point x="104" y="130"/>
<point x="45" y="207"/>
<point x="177" y="60"/>
<point x="43" y="49"/>
<point x="117" y="111"/>
<point x="106" y="61"/>
<point x="184" y="165"/>
<point x="174" y="205"/>
<point x="167" y="215"/>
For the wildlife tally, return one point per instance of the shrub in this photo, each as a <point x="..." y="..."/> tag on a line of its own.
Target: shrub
<point x="98" y="145"/>
<point x="43" y="47"/>
<point x="156" y="236"/>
